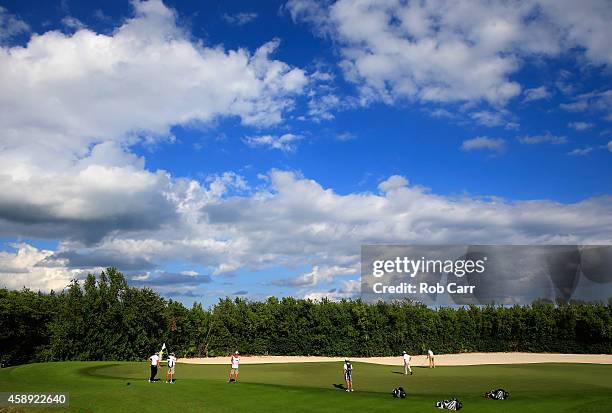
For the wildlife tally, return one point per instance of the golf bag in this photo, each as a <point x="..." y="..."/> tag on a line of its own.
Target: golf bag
<point x="452" y="404"/>
<point x="499" y="394"/>
<point x="399" y="393"/>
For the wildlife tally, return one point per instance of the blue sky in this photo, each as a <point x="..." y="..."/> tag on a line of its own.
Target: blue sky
<point x="249" y="148"/>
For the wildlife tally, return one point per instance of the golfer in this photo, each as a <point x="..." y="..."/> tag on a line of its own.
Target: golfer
<point x="430" y="357"/>
<point x="235" y="362"/>
<point x="348" y="375"/>
<point x="171" y="366"/>
<point x="154" y="365"/>
<point x="407" y="363"/>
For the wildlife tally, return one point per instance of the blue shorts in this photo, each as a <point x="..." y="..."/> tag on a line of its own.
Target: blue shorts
<point x="348" y="375"/>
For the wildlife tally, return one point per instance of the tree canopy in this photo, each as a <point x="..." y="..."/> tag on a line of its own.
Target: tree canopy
<point x="104" y="318"/>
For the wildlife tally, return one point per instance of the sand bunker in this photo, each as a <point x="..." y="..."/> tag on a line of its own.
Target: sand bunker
<point x="463" y="359"/>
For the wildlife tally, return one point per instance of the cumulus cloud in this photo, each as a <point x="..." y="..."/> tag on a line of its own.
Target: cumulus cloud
<point x="149" y="75"/>
<point x="585" y="24"/>
<point x="292" y="221"/>
<point x="71" y="106"/>
<point x="67" y="173"/>
<point x="484" y="142"/>
<point x="444" y="51"/>
<point x="27" y="267"/>
<point x="285" y="143"/>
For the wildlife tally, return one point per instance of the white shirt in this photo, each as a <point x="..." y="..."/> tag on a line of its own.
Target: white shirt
<point x="154" y="359"/>
<point x="235" y="361"/>
<point x="430" y="353"/>
<point x="406" y="358"/>
<point x="171" y="361"/>
<point x="346" y="367"/>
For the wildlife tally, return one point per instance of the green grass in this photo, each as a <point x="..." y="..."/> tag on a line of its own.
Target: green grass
<point x="310" y="387"/>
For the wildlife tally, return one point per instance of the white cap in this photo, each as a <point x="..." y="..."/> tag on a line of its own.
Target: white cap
<point x="236" y="352"/>
<point x="404" y="352"/>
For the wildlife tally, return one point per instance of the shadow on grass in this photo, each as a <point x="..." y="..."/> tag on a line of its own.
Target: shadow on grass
<point x="339" y="386"/>
<point x="95" y="371"/>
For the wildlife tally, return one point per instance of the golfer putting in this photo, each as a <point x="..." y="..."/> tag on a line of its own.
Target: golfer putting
<point x="407" y="367"/>
<point x="348" y="375"/>
<point x="235" y="364"/>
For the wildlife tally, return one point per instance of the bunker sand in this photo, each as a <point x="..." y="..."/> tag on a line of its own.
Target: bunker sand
<point x="463" y="359"/>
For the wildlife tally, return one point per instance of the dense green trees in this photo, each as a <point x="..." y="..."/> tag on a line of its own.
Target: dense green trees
<point x="105" y="319"/>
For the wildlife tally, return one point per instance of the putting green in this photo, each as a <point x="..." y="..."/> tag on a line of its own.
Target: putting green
<point x="313" y="387"/>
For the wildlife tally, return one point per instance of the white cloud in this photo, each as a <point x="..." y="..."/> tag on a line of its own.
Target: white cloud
<point x="293" y="222"/>
<point x="348" y="289"/>
<point x="285" y="143"/>
<point x="321" y="107"/>
<point x="239" y="19"/>
<point x="581" y="151"/>
<point x="493" y="118"/>
<point x="444" y="50"/>
<point x="317" y="275"/>
<point x="483" y="142"/>
<point x="346" y="136"/>
<point x="73" y="23"/>
<point x="72" y="105"/>
<point x="577" y="106"/>
<point x="392" y="183"/>
<point x="66" y="170"/>
<point x="609" y="146"/>
<point x="598" y="102"/>
<point x="584" y="23"/>
<point x="545" y="138"/>
<point x="580" y="125"/>
<point x="537" y="93"/>
<point x="148" y="75"/>
<point x="27" y="267"/>
<point x="11" y="25"/>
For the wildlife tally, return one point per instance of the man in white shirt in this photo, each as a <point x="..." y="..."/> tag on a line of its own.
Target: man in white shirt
<point x="171" y="366"/>
<point x="235" y="362"/>
<point x="154" y="364"/>
<point x="430" y="357"/>
<point x="407" y="364"/>
<point x="348" y="374"/>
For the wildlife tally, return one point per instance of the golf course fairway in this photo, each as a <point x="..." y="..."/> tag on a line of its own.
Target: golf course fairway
<point x="312" y="387"/>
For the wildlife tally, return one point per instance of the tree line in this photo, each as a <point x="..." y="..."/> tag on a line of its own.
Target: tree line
<point x="106" y="319"/>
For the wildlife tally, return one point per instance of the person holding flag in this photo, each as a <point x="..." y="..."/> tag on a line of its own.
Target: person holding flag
<point x="155" y="361"/>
